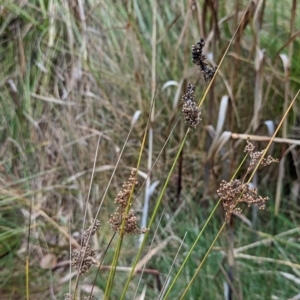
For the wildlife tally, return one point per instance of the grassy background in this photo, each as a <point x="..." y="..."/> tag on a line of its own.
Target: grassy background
<point x="73" y="69"/>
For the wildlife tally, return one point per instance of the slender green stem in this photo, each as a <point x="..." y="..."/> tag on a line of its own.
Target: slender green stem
<point x="202" y="262"/>
<point x="112" y="273"/>
<point x="120" y="240"/>
<point x="191" y="250"/>
<point x="27" y="277"/>
<point x="198" y="237"/>
<point x="154" y="215"/>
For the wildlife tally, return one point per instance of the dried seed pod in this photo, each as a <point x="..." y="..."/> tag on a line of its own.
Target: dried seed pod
<point x="190" y="109"/>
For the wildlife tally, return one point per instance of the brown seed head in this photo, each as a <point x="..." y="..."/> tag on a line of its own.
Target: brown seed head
<point x="191" y="111"/>
<point x="235" y="192"/>
<point x="86" y="254"/>
<point x="256" y="156"/>
<point x="199" y="60"/>
<point x="130" y="220"/>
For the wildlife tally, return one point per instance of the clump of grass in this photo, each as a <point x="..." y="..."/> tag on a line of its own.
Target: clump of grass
<point x="62" y="86"/>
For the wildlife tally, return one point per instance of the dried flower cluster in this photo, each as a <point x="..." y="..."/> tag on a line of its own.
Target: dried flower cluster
<point x="130" y="220"/>
<point x="235" y="192"/>
<point x="190" y="109"/>
<point x="85" y="258"/>
<point x="91" y="231"/>
<point x="256" y="156"/>
<point x="199" y="60"/>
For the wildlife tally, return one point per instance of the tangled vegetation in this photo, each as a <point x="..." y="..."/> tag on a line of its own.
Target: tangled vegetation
<point x="175" y="125"/>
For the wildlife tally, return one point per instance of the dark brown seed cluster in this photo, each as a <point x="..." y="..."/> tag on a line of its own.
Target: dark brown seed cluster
<point x="235" y="192"/>
<point x="85" y="258"/>
<point x="199" y="60"/>
<point x="190" y="109"/>
<point x="130" y="220"/>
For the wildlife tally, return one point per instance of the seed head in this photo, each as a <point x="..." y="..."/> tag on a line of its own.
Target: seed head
<point x="190" y="109"/>
<point x="256" y="156"/>
<point x="199" y="60"/>
<point x="120" y="215"/>
<point x="235" y="192"/>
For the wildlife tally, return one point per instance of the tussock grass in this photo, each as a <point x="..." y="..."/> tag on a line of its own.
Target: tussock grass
<point x="90" y="90"/>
